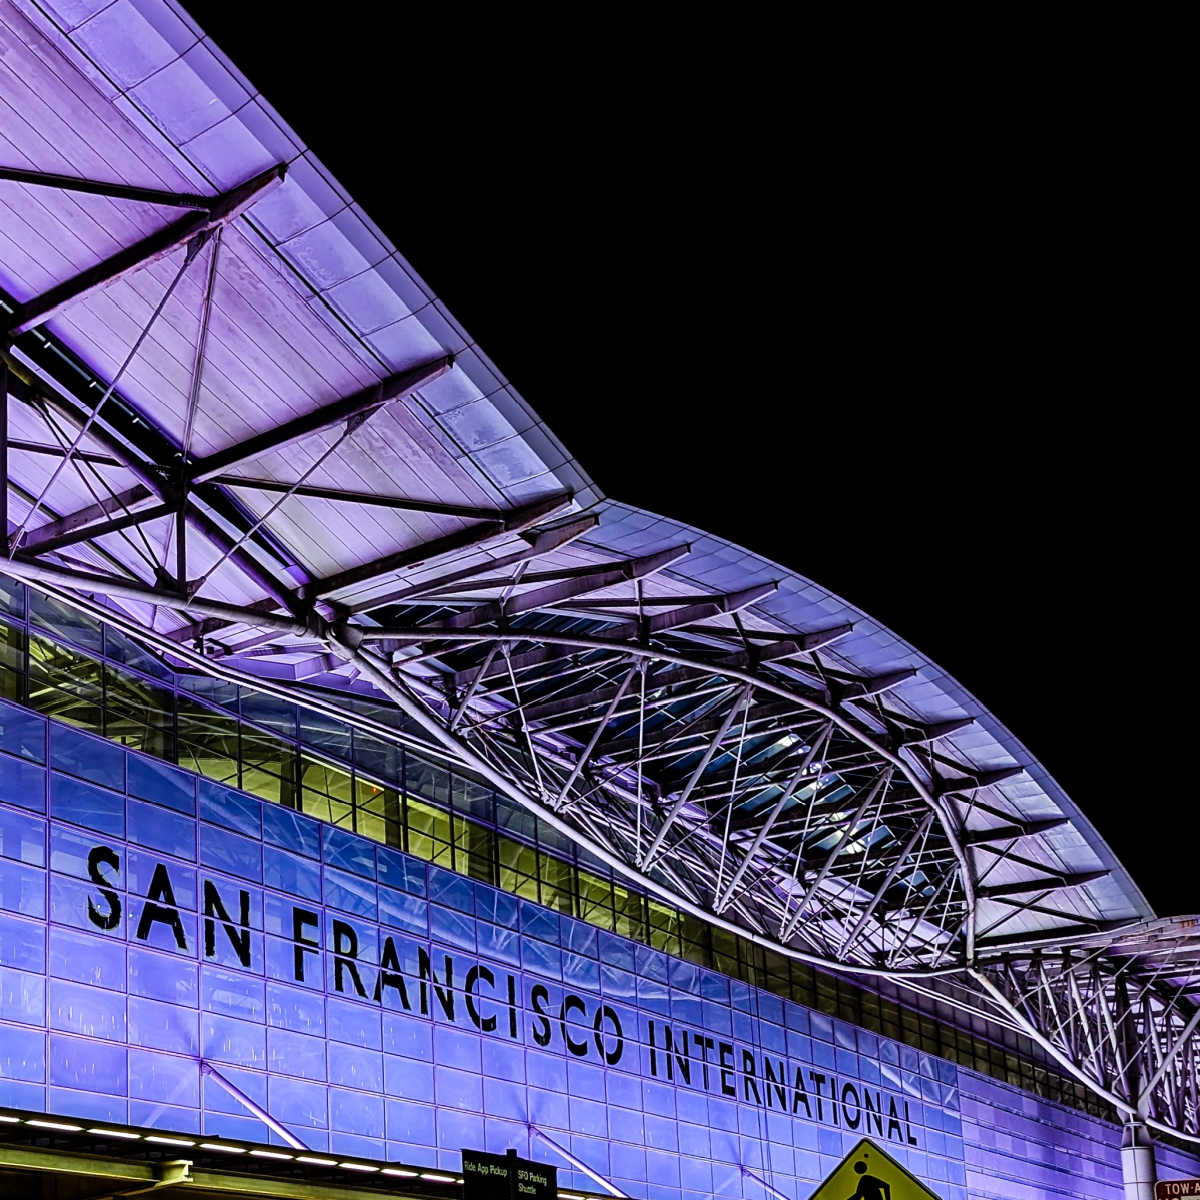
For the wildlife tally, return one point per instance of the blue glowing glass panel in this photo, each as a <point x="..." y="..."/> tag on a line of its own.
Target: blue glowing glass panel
<point x="382" y="1007"/>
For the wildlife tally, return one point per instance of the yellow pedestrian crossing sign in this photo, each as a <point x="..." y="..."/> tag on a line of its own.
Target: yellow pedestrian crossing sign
<point x="867" y="1173"/>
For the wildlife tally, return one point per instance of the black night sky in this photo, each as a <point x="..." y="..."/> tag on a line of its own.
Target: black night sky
<point x="908" y="335"/>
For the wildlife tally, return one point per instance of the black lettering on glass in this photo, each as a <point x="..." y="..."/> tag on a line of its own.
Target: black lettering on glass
<point x="682" y="1060"/>
<point x="706" y="1044"/>
<point x="512" y="1007"/>
<point x="850" y="1109"/>
<point x="345" y="956"/>
<point x="800" y="1095"/>
<point x="571" y="1003"/>
<point x="164" y="913"/>
<point x="774" y="1083"/>
<point x="389" y="974"/>
<point x="541" y="1028"/>
<point x="443" y="991"/>
<point x="725" y="1054"/>
<point x="894" y="1122"/>
<point x="874" y="1112"/>
<point x="749" y="1078"/>
<point x="604" y="1013"/>
<point x="102" y="856"/>
<point x="302" y="917"/>
<point x="487" y="1024"/>
<point x="817" y="1080"/>
<point x="239" y="935"/>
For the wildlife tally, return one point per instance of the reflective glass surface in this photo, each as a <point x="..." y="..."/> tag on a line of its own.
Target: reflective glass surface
<point x="384" y="1004"/>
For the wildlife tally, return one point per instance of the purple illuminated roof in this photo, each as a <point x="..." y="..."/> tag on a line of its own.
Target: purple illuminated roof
<point x="432" y="496"/>
<point x="241" y="426"/>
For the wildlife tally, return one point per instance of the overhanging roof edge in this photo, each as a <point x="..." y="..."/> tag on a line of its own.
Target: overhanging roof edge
<point x="247" y="136"/>
<point x="523" y="460"/>
<point x="638" y="531"/>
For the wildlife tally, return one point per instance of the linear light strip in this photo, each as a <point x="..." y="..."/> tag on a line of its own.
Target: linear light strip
<point x="222" y="1146"/>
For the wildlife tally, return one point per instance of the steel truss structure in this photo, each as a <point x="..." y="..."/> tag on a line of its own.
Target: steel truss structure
<point x="1122" y="1008"/>
<point x="740" y="769"/>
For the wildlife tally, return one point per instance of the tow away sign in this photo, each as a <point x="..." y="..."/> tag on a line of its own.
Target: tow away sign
<point x="1169" y="1189"/>
<point x="867" y="1173"/>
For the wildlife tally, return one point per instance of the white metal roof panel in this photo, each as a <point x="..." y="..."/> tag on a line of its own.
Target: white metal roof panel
<point x="310" y="303"/>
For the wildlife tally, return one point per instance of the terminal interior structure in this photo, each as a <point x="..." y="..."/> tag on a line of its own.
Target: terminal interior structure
<point x="373" y="787"/>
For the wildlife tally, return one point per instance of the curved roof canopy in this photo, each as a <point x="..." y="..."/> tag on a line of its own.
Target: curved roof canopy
<point x="240" y="423"/>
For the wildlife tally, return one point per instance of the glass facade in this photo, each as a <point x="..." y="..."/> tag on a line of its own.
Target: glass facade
<point x="384" y="1007"/>
<point x="59" y="663"/>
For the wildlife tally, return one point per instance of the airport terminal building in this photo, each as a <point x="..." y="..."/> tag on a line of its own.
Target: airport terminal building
<point x="372" y="788"/>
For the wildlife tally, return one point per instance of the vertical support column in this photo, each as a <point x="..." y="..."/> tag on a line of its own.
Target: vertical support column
<point x="511" y="1155"/>
<point x="181" y="579"/>
<point x="1138" y="1168"/>
<point x="4" y="447"/>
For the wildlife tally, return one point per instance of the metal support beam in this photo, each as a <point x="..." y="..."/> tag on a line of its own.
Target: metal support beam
<point x="350" y="408"/>
<point x="181" y="577"/>
<point x="151" y="480"/>
<point x="27" y="447"/>
<point x="580" y="701"/>
<point x="577" y="1163"/>
<point x="34" y="540"/>
<point x="1007" y="942"/>
<point x="1025" y="887"/>
<point x="59" y="1162"/>
<point x="513" y="521"/>
<point x="374" y="499"/>
<point x="527" y="661"/>
<point x="773" y="1192"/>
<point x="139" y="516"/>
<point x="677" y="805"/>
<point x="688" y="614"/>
<point x="823" y="637"/>
<point x="765" y="770"/>
<point x="661" y="622"/>
<point x="141" y="254"/>
<point x="817" y="746"/>
<point x="564" y="590"/>
<point x="39" y="397"/>
<point x="251" y="1106"/>
<point x="922" y="734"/>
<point x="4" y="448"/>
<point x="116" y="191"/>
<point x="900" y="862"/>
<point x="1168" y="1058"/>
<point x="601" y="725"/>
<point x="1010" y="833"/>
<point x="120" y="589"/>
<point x="977" y="782"/>
<point x="860" y="689"/>
<point x="544" y="541"/>
<point x="790" y="922"/>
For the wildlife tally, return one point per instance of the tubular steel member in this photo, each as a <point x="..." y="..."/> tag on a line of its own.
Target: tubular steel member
<point x="223" y="209"/>
<point x="711" y="742"/>
<point x="1120" y="1008"/>
<point x="1119" y="1016"/>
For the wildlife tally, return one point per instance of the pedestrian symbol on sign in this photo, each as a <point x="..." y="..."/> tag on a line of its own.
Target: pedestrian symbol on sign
<point x="868" y="1173"/>
<point x="870" y="1188"/>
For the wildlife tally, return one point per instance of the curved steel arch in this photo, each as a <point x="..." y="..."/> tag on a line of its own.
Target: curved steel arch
<point x="717" y="777"/>
<point x="1121" y="1010"/>
<point x="713" y="753"/>
<point x="1117" y="1009"/>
